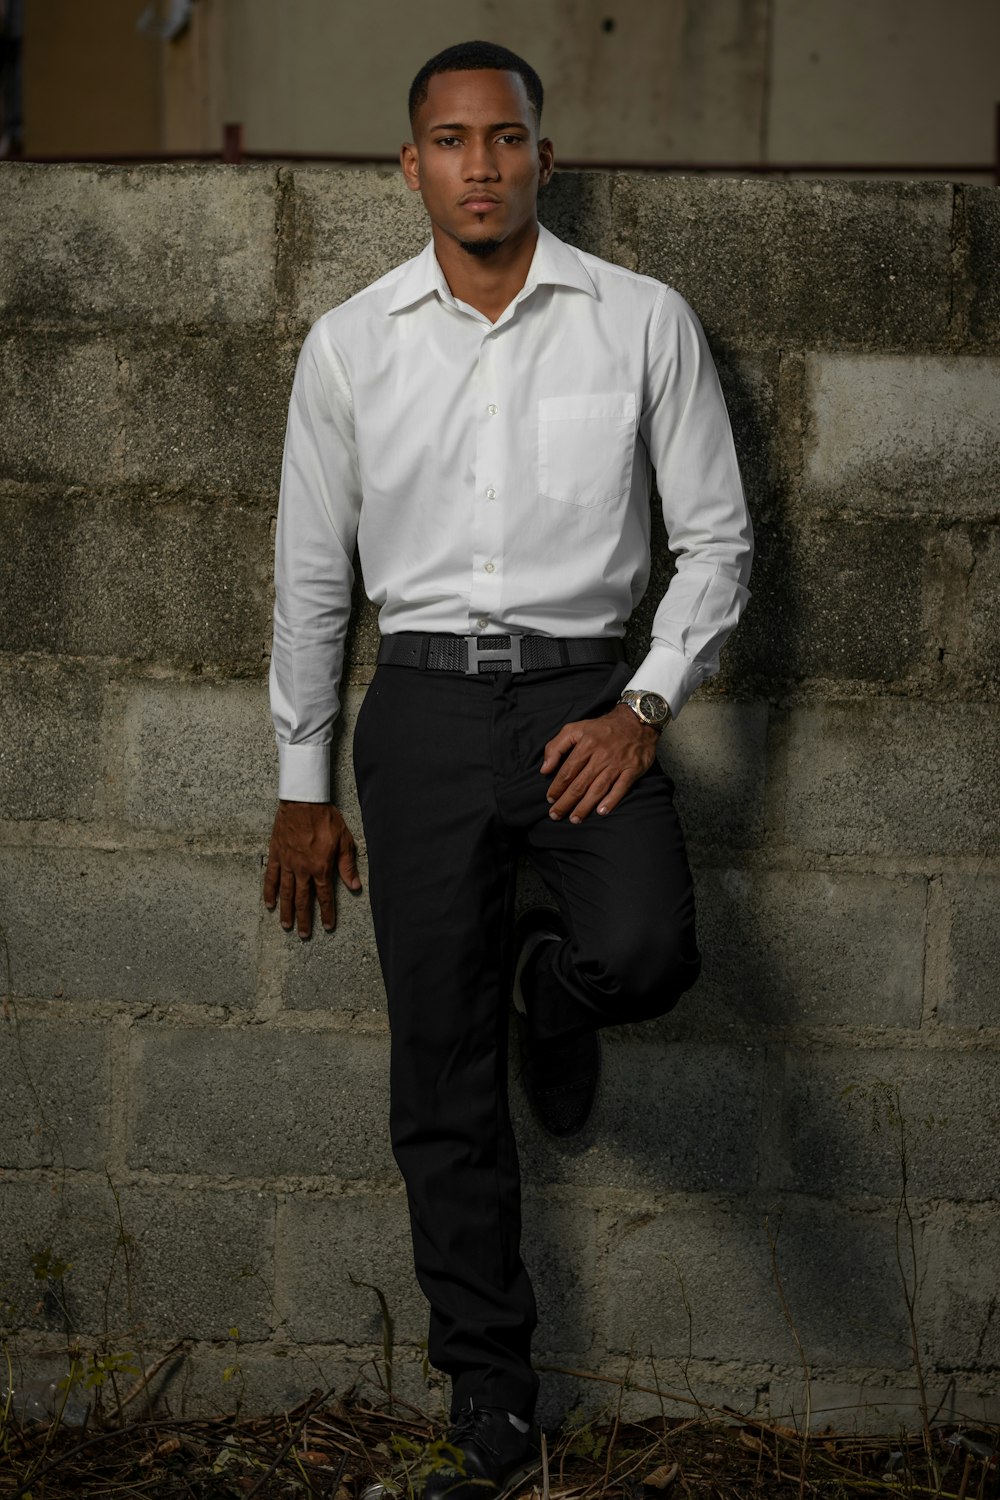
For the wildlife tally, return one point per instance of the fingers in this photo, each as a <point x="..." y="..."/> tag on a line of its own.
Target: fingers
<point x="309" y="840"/>
<point x="327" y="903"/>
<point x="573" y="774"/>
<point x="287" y="898"/>
<point x="603" y="791"/>
<point x="610" y="801"/>
<point x="347" y="864"/>
<point x="347" y="869"/>
<point x="606" y="756"/>
<point x="272" y="875"/>
<point x="303" y="907"/>
<point x="558" y="746"/>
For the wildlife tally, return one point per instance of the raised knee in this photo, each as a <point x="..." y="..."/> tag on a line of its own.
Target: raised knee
<point x="645" y="974"/>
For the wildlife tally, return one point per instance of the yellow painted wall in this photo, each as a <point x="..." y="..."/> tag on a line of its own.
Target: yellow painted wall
<point x="681" y="80"/>
<point x="91" y="82"/>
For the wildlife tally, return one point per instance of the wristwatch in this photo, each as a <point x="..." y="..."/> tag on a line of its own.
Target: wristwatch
<point x="649" y="707"/>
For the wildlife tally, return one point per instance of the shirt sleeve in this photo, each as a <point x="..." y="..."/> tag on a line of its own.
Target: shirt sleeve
<point x="686" y="428"/>
<point x="318" y="508"/>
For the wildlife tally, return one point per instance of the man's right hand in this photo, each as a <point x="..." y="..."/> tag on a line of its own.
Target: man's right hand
<point x="308" y="841"/>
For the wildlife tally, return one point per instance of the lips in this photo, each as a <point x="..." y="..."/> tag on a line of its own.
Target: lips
<point x="480" y="205"/>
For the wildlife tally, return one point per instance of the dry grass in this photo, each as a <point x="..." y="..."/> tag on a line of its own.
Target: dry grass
<point x="337" y="1446"/>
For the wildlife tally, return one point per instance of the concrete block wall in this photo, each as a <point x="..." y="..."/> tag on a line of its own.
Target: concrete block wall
<point x="183" y="1080"/>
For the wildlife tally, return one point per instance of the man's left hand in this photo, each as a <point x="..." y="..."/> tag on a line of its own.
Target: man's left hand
<point x="603" y="757"/>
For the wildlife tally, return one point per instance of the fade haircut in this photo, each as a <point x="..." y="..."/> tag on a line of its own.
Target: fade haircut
<point x="466" y="57"/>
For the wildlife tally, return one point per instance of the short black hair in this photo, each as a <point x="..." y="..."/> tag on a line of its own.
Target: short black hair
<point x="465" y="57"/>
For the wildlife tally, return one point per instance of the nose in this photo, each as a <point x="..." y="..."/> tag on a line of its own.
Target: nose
<point x="480" y="162"/>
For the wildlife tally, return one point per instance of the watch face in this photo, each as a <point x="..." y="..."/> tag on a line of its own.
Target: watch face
<point x="653" y="708"/>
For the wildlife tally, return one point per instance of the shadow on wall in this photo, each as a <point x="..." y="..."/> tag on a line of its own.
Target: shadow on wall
<point x="714" y="1136"/>
<point x="188" y="1044"/>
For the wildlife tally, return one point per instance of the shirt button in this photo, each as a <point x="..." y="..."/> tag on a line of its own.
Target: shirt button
<point x="490" y="567"/>
<point x="482" y="622"/>
<point x="493" y="410"/>
<point x="491" y="493"/>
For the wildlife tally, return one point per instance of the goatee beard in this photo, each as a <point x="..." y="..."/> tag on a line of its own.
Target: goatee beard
<point x="481" y="248"/>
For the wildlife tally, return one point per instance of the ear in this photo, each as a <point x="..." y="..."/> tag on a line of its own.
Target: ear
<point x="409" y="160"/>
<point x="546" y="160"/>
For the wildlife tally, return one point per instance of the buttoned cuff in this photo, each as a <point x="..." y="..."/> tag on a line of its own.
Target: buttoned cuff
<point x="670" y="674"/>
<point x="303" y="772"/>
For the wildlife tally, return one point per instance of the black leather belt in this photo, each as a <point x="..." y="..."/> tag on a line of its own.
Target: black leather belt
<point x="476" y="654"/>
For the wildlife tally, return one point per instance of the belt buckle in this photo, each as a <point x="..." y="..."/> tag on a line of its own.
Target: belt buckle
<point x="476" y="654"/>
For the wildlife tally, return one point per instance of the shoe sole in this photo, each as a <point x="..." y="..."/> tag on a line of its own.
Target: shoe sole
<point x="517" y="1479"/>
<point x="379" y="1490"/>
<point x="568" y="1134"/>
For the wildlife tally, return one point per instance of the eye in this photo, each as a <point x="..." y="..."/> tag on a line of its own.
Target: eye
<point x="446" y="140"/>
<point x="514" y="140"/>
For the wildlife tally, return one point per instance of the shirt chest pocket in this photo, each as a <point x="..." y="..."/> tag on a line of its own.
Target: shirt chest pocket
<point x="586" y="445"/>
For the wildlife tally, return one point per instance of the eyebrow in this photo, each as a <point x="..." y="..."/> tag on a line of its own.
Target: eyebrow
<point x="502" y="125"/>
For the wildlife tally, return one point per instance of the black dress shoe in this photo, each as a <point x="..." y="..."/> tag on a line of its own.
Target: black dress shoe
<point x="495" y="1456"/>
<point x="560" y="1073"/>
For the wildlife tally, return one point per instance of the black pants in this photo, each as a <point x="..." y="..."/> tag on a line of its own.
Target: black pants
<point x="448" y="776"/>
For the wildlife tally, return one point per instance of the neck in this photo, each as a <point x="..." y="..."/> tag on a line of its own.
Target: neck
<point x="488" y="283"/>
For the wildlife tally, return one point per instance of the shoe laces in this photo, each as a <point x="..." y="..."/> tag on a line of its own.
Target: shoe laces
<point x="471" y="1421"/>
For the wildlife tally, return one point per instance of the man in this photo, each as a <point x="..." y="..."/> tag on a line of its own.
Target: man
<point x="484" y="421"/>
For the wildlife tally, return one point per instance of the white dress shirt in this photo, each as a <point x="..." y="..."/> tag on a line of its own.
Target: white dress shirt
<point x="496" y="477"/>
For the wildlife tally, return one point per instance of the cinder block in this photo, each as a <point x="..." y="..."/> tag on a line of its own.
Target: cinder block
<point x="199" y="1262"/>
<point x="837" y="1142"/>
<point x="57" y="1079"/>
<point x="154" y="244"/>
<point x="207" y="413"/>
<point x="972" y="995"/>
<point x="200" y="756"/>
<point x="890" y="776"/>
<point x="57" y="1249"/>
<point x="874" y="1402"/>
<point x="841" y="1278"/>
<point x="166" y="582"/>
<point x="559" y="1249"/>
<point x="336" y="971"/>
<point x="715" y="755"/>
<point x="961" y="1298"/>
<point x="324" y="1241"/>
<point x="164" y="928"/>
<point x="601" y="1399"/>
<point x="934" y="446"/>
<point x="834" y="599"/>
<point x="281" y="1377"/>
<point x="804" y="948"/>
<point x="982" y="649"/>
<point x="982" y="220"/>
<point x="257" y="1102"/>
<point x="750" y="387"/>
<point x="350" y="228"/>
<point x="204" y="1262"/>
<point x="63" y="410"/>
<point x="669" y="1117"/>
<point x="795" y="264"/>
<point x="51" y="759"/>
<point x="577" y="207"/>
<point x="702" y="1280"/>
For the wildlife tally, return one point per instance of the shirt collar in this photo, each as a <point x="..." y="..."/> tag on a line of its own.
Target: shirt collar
<point x="554" y="263"/>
